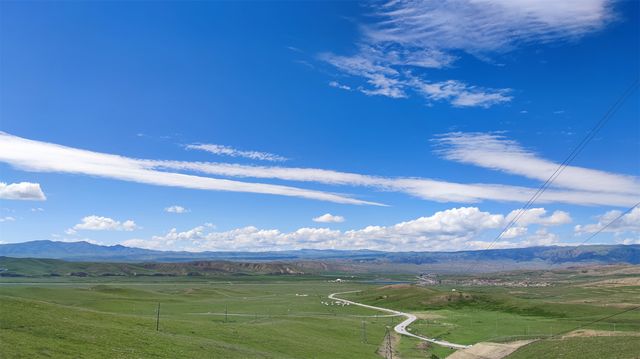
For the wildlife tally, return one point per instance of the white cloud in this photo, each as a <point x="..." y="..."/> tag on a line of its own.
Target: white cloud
<point x="176" y="209"/>
<point x="460" y="94"/>
<point x="336" y="84"/>
<point x="7" y="219"/>
<point x="452" y="229"/>
<point x="383" y="80"/>
<point x="39" y="156"/>
<point x="542" y="237"/>
<point x="37" y="209"/>
<point x="232" y="152"/>
<point x="629" y="222"/>
<point x="429" y="189"/>
<point x="514" y="232"/>
<point x="45" y="157"/>
<point x="537" y="216"/>
<point x="329" y="218"/>
<point x="22" y="191"/>
<point x="495" y="152"/>
<point x="410" y="35"/>
<point x="628" y="241"/>
<point x="444" y="230"/>
<point x="98" y="223"/>
<point x="481" y="26"/>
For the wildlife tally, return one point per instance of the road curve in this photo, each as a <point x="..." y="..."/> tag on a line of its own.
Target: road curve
<point x="402" y="327"/>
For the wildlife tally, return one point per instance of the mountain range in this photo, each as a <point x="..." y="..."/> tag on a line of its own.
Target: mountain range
<point x="83" y="251"/>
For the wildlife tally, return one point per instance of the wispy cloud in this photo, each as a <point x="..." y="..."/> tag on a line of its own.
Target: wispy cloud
<point x="7" y="219"/>
<point x="406" y="37"/>
<point x="451" y="229"/>
<point x="232" y="152"/>
<point x="424" y="188"/>
<point x="384" y="80"/>
<point x="27" y="191"/>
<point x="338" y="85"/>
<point x="45" y="157"/>
<point x="483" y="26"/>
<point x="496" y="152"/>
<point x="460" y="94"/>
<point x="36" y="156"/>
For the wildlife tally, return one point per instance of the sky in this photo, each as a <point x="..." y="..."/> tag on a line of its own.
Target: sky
<point x="400" y="125"/>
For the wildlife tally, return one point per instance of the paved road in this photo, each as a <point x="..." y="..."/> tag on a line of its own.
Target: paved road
<point x="402" y="327"/>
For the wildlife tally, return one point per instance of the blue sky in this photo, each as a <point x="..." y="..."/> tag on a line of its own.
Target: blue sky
<point x="400" y="126"/>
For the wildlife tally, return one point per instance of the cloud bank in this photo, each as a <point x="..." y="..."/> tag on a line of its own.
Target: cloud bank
<point x="451" y="229"/>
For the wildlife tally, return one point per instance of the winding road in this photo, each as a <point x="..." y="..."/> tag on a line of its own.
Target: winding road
<point x="402" y="327"/>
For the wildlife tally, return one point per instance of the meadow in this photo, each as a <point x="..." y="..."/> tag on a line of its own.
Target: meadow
<point x="290" y="316"/>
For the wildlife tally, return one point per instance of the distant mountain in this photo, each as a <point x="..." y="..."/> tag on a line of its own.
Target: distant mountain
<point x="83" y="251"/>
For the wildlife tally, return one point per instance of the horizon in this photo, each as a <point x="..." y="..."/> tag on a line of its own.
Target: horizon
<point x="226" y="127"/>
<point x="325" y="249"/>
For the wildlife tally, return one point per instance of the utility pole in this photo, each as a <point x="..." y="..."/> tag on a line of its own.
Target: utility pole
<point x="158" y="317"/>
<point x="225" y="313"/>
<point x="364" y="331"/>
<point x="389" y="346"/>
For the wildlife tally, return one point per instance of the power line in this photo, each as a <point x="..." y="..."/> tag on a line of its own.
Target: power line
<point x="597" y="320"/>
<point x="572" y="155"/>
<point x="608" y="224"/>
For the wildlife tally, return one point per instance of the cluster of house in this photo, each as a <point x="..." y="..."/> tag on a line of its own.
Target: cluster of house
<point x="430" y="279"/>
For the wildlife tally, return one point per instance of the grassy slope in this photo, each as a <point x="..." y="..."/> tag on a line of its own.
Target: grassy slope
<point x="48" y="267"/>
<point x="117" y="320"/>
<point x="496" y="314"/>
<point x="41" y="267"/>
<point x="582" y="348"/>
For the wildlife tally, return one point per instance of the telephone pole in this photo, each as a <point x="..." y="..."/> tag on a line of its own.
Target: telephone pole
<point x="225" y="313"/>
<point x="389" y="354"/>
<point x="158" y="317"/>
<point x="364" y="331"/>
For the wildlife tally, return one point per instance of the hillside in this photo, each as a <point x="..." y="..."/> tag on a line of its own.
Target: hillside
<point x="18" y="267"/>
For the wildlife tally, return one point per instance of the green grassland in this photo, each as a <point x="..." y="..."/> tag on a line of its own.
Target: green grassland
<point x="475" y="314"/>
<point x="584" y="348"/>
<point x="285" y="316"/>
<point x="104" y="319"/>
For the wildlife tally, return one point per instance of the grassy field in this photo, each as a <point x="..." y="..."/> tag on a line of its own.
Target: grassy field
<point x="584" y="348"/>
<point x="276" y="316"/>
<point x="471" y="315"/>
<point x="266" y="319"/>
